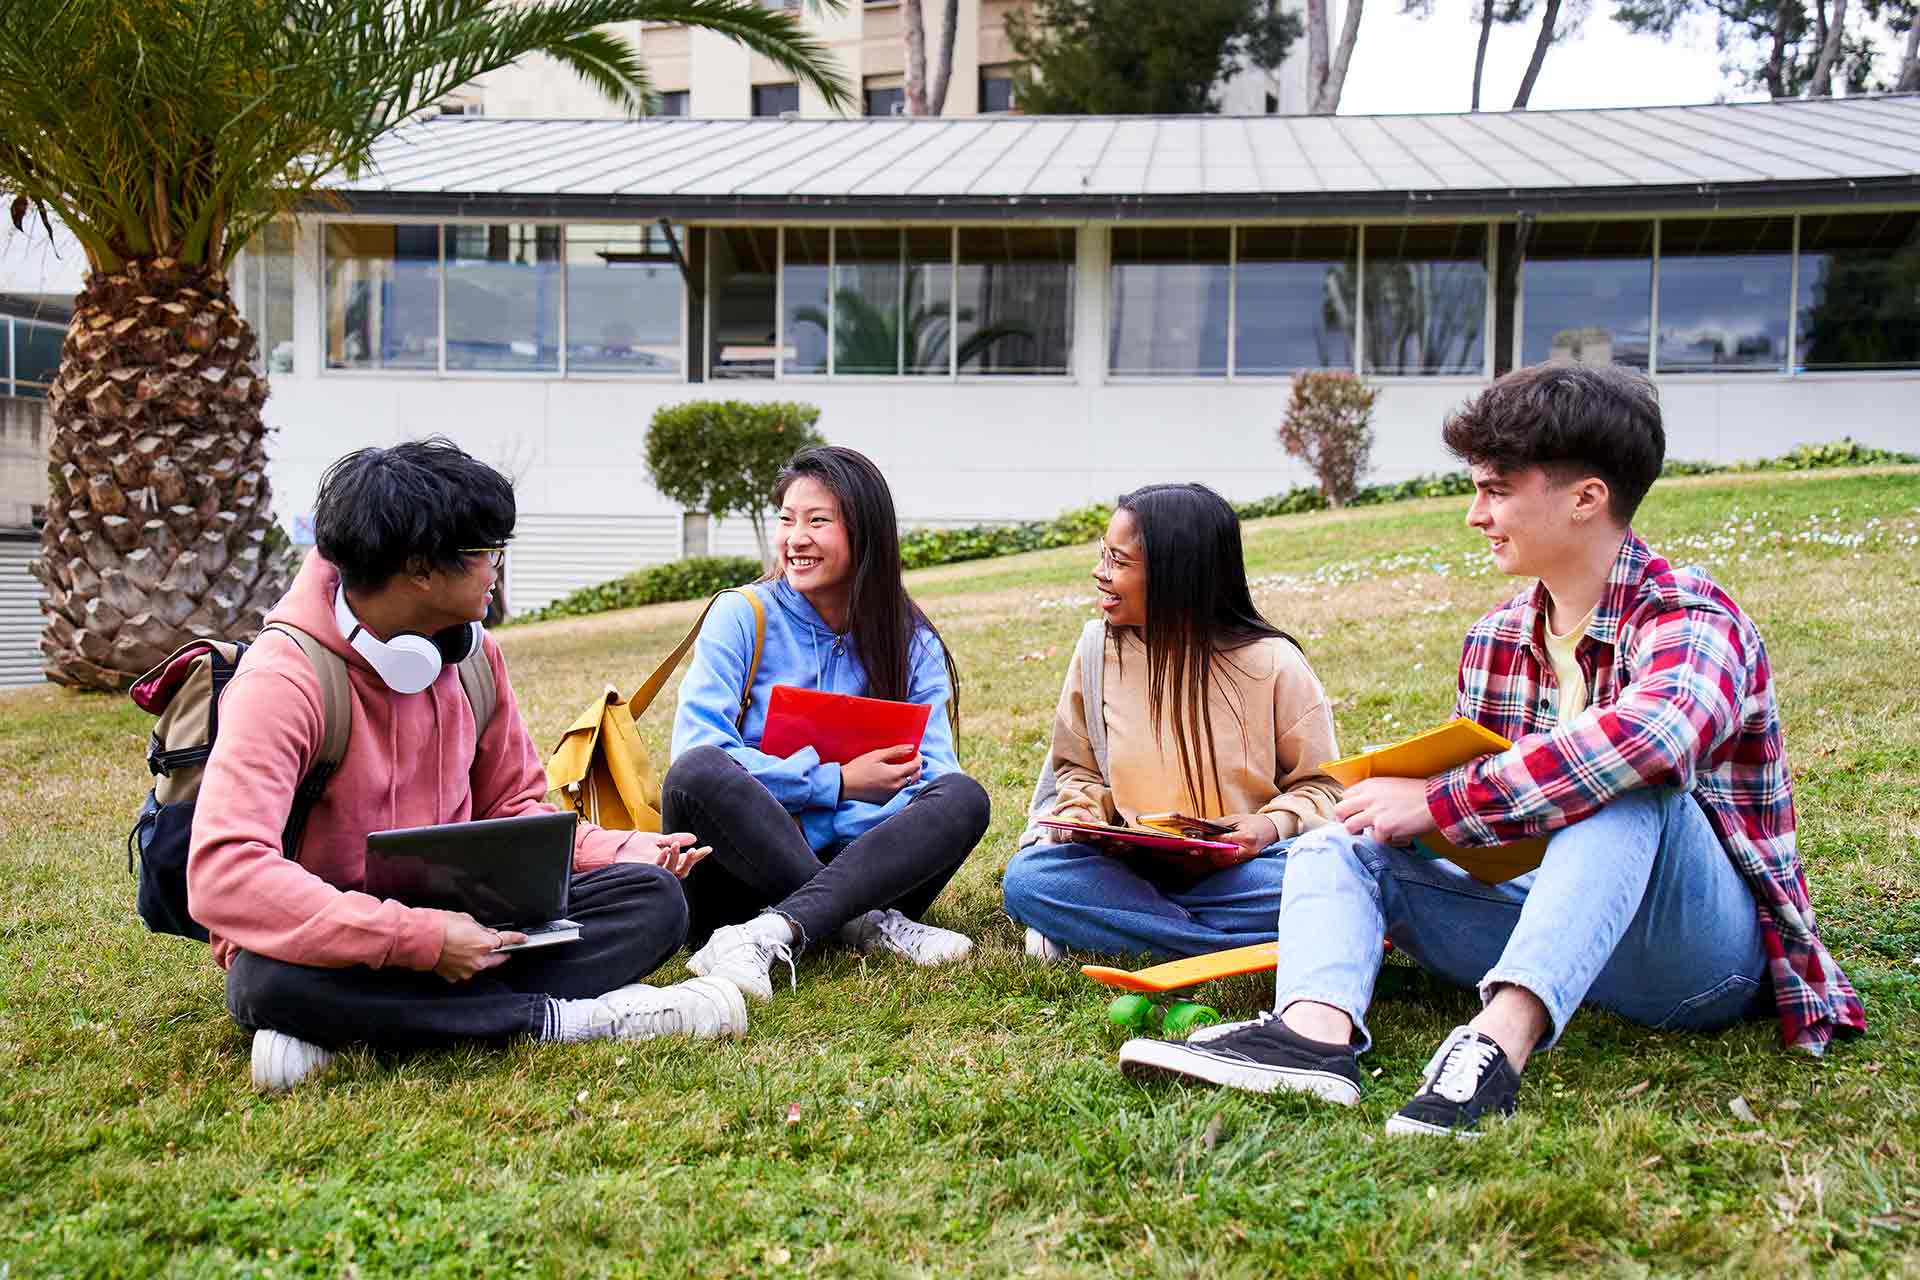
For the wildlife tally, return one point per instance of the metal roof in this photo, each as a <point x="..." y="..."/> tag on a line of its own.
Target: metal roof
<point x="1764" y="154"/>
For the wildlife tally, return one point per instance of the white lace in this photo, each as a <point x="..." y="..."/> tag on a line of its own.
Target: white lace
<point x="918" y="941"/>
<point x="766" y="951"/>
<point x="1455" y="1070"/>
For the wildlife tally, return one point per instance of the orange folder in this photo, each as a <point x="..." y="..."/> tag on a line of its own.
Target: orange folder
<point x="1436" y="751"/>
<point x="840" y="726"/>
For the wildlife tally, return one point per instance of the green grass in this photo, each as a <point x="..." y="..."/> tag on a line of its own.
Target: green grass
<point x="971" y="1120"/>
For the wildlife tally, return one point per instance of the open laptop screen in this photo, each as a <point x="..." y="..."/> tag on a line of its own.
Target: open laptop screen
<point x="504" y="872"/>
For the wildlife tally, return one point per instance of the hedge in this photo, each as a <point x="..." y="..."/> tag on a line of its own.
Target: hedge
<point x="688" y="579"/>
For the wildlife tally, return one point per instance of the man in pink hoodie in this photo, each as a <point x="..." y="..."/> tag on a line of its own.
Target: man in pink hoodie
<point x="410" y="542"/>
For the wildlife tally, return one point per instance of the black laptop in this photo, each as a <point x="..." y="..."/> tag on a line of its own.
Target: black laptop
<point x="507" y="873"/>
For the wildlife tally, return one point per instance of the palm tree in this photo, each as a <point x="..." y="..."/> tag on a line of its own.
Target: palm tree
<point x="164" y="134"/>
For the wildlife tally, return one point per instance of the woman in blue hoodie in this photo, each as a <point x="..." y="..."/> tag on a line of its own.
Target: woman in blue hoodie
<point x="804" y="850"/>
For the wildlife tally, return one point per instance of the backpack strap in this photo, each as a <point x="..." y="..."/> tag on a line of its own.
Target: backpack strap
<point x="336" y="719"/>
<point x="476" y="681"/>
<point x="643" y="697"/>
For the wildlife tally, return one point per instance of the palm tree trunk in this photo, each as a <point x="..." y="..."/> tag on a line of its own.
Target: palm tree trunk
<point x="914" y="27"/>
<point x="943" y="71"/>
<point x="1548" y="18"/>
<point x="159" y="526"/>
<point x="1316" y="54"/>
<point x="1834" y="31"/>
<point x="1480" y="54"/>
<point x="1337" y="77"/>
<point x="1909" y="81"/>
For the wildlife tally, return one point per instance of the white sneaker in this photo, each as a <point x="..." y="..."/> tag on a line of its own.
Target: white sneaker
<point x="923" y="944"/>
<point x="280" y="1061"/>
<point x="745" y="958"/>
<point x="1041" y="947"/>
<point x="704" y="1008"/>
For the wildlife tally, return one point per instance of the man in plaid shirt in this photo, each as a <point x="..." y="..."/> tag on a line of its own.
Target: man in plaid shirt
<point x="1647" y="748"/>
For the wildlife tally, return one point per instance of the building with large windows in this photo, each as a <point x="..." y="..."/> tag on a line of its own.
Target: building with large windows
<point x="1017" y="315"/>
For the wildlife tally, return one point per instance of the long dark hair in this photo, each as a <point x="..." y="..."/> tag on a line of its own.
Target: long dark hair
<point x="1199" y="609"/>
<point x="882" y="618"/>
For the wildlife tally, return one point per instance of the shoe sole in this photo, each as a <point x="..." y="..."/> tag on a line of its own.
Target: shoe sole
<point x="269" y="1076"/>
<point x="1159" y="1059"/>
<point x="699" y="968"/>
<point x="1407" y="1126"/>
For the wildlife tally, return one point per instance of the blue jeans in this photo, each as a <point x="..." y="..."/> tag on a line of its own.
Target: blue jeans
<point x="1636" y="909"/>
<point x="1092" y="901"/>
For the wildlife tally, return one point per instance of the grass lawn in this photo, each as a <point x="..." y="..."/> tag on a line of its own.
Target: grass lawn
<point x="971" y="1120"/>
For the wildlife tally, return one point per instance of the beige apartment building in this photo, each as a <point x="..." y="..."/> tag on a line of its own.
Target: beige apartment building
<point x="703" y="74"/>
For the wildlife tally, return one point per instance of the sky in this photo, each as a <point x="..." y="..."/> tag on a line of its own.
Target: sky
<point x="1400" y="64"/>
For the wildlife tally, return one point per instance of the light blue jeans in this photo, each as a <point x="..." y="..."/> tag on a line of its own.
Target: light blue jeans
<point x="1092" y="901"/>
<point x="1636" y="909"/>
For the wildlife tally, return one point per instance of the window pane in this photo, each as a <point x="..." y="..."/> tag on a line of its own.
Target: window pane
<point x="623" y="299"/>
<point x="1170" y="300"/>
<point x="775" y="99"/>
<point x="929" y="299"/>
<point x="1587" y="293"/>
<point x="1294" y="308"/>
<point x="996" y="90"/>
<point x="866" y="301"/>
<point x="741" y="307"/>
<point x="886" y="100"/>
<point x="1860" y="291"/>
<point x="1724" y="286"/>
<point x="383" y="296"/>
<point x="1016" y="300"/>
<point x="267" y="301"/>
<point x="805" y="283"/>
<point x="1426" y="299"/>
<point x="673" y="103"/>
<point x="503" y="296"/>
<point x="36" y="355"/>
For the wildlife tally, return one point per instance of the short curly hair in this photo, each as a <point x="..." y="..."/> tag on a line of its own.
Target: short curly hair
<point x="386" y="511"/>
<point x="1572" y="420"/>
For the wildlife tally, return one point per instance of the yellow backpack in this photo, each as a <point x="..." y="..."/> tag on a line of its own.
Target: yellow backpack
<point x="601" y="769"/>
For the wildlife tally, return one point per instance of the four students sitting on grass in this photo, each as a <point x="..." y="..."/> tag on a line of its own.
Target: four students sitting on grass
<point x="1638" y="696"/>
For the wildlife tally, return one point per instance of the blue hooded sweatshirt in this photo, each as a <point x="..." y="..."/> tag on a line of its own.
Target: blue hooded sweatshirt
<point x="802" y="651"/>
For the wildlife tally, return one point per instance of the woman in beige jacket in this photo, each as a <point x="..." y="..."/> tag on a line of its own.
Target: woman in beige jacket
<point x="1209" y="710"/>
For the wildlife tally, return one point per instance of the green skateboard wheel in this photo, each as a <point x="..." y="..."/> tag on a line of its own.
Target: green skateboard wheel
<point x="1186" y="1016"/>
<point x="1132" y="1011"/>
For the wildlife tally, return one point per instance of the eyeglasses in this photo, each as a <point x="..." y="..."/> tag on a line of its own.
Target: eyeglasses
<point x="1111" y="560"/>
<point x="496" y="556"/>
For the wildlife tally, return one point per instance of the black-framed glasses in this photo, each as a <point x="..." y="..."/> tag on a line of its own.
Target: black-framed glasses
<point x="496" y="556"/>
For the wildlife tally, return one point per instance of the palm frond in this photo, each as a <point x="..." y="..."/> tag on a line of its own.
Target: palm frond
<point x="178" y="127"/>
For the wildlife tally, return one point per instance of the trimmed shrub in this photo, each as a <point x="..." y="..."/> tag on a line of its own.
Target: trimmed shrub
<point x="920" y="548"/>
<point x="723" y="456"/>
<point x="1329" y="426"/>
<point x="691" y="579"/>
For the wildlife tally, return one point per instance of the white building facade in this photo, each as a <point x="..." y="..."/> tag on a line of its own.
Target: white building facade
<point x="1016" y="316"/>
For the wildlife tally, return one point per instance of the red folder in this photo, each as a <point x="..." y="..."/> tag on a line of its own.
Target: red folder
<point x="839" y="726"/>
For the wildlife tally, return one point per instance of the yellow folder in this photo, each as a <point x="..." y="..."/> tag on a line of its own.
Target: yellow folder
<point x="1436" y="751"/>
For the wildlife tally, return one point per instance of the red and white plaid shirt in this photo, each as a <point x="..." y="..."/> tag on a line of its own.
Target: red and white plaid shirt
<point x="1680" y="696"/>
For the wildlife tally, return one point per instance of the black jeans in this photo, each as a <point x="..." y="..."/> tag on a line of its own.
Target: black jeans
<point x="761" y="859"/>
<point x="632" y="917"/>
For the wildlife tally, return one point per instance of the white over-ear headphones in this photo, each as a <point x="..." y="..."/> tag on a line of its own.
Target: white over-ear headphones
<point x="410" y="661"/>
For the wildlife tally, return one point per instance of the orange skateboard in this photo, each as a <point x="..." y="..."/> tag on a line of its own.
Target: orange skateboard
<point x="1138" y="1012"/>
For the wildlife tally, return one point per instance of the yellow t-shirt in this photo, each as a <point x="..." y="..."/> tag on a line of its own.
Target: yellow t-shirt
<point x="1566" y="669"/>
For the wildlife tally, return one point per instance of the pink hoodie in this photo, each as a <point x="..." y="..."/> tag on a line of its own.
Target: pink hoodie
<point x="411" y="761"/>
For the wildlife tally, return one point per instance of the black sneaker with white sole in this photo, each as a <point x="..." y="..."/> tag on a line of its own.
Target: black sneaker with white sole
<point x="1467" y="1078"/>
<point x="1261" y="1056"/>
